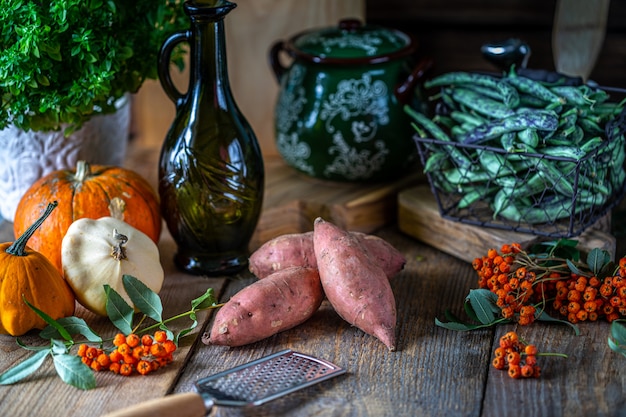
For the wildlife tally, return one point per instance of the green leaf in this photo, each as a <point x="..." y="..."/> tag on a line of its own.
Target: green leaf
<point x="74" y="372"/>
<point x="118" y="310"/>
<point x="24" y="368"/>
<point x="618" y="331"/>
<point x="64" y="334"/>
<point x="597" y="259"/>
<point x="33" y="348"/>
<point x="206" y="300"/>
<point x="484" y="305"/>
<point x="146" y="300"/>
<point x="617" y="338"/>
<point x="545" y="317"/>
<point x="573" y="268"/>
<point x="469" y="310"/>
<point x="73" y="325"/>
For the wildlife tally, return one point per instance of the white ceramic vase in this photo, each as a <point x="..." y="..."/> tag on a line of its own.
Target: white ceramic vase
<point x="27" y="156"/>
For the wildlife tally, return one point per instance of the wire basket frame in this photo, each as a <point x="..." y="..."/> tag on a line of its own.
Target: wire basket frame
<point x="546" y="195"/>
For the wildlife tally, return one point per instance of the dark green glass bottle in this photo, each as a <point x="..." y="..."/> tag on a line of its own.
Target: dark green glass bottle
<point x="211" y="175"/>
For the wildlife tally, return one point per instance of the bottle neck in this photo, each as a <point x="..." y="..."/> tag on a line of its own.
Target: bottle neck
<point x="208" y="58"/>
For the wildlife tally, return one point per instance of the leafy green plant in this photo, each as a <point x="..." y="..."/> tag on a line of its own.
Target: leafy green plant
<point x="61" y="333"/>
<point x="64" y="61"/>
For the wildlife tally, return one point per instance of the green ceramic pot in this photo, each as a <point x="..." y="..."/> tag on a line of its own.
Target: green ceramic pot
<point x="339" y="114"/>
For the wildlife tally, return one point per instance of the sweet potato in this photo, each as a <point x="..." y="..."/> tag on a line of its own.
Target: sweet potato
<point x="279" y="302"/>
<point x="355" y="285"/>
<point x="296" y="249"/>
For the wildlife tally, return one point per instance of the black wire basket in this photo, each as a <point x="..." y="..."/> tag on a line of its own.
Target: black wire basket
<point x="557" y="196"/>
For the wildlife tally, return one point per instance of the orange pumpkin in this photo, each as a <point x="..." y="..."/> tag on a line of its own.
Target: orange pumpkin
<point x="28" y="275"/>
<point x="92" y="192"/>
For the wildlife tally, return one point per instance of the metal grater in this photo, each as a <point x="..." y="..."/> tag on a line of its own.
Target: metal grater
<point x="265" y="379"/>
<point x="248" y="385"/>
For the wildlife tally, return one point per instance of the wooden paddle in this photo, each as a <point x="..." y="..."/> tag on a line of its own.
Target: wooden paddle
<point x="578" y="35"/>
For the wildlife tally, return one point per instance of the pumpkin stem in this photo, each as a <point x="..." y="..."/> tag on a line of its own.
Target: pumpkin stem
<point x="119" y="251"/>
<point x="18" y="248"/>
<point x="83" y="170"/>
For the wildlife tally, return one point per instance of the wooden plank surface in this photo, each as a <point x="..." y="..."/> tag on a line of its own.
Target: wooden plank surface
<point x="418" y="216"/>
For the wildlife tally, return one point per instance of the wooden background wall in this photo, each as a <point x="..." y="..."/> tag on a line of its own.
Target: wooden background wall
<point x="450" y="31"/>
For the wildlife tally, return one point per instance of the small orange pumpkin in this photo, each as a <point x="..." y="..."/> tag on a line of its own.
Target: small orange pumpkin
<point x="28" y="275"/>
<point x="88" y="192"/>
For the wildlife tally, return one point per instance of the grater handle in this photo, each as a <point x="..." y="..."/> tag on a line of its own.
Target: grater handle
<point x="189" y="404"/>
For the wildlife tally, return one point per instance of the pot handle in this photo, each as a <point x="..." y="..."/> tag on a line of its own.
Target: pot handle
<point x="404" y="90"/>
<point x="163" y="67"/>
<point x="278" y="68"/>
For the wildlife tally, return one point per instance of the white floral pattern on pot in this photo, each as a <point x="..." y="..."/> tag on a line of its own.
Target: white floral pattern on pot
<point x="361" y="102"/>
<point x="27" y="156"/>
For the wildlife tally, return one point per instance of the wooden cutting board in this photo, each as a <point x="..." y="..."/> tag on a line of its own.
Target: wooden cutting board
<point x="418" y="216"/>
<point x="292" y="202"/>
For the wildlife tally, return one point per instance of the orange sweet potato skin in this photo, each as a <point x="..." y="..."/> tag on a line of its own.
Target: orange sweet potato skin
<point x="297" y="250"/>
<point x="355" y="285"/>
<point x="279" y="302"/>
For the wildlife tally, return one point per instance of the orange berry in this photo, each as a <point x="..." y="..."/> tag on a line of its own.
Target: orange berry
<point x="573" y="307"/>
<point x="527" y="371"/>
<point x="530" y="350"/>
<point x="104" y="360"/>
<point x="527" y="310"/>
<point x="169" y="346"/>
<point x="499" y="352"/>
<point x="114" y="367"/>
<point x="531" y="360"/>
<point x="477" y="264"/>
<point x="125" y="349"/>
<point x="144" y="367"/>
<point x="119" y="339"/>
<point x="96" y="366"/>
<point x="82" y="350"/>
<point x="91" y="352"/>
<point x="160" y="336"/>
<point x="133" y="340"/>
<point x="116" y="356"/>
<point x="138" y="352"/>
<point x="146" y="340"/>
<point x="492" y="253"/>
<point x="130" y="359"/>
<point x="498" y="363"/>
<point x="126" y="369"/>
<point x="513" y="358"/>
<point x="158" y="350"/>
<point x="515" y="371"/>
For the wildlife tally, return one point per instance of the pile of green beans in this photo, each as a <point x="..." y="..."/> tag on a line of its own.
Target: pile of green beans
<point x="533" y="151"/>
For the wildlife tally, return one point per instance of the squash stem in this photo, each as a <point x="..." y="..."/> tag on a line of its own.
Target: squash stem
<point x="18" y="248"/>
<point x="119" y="251"/>
<point x="82" y="171"/>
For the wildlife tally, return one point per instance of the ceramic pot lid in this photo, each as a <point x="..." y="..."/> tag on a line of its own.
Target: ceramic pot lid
<point x="352" y="42"/>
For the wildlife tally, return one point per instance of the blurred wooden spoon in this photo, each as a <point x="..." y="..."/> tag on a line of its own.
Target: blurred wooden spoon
<point x="578" y="35"/>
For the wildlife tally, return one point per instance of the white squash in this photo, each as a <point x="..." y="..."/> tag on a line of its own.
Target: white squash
<point x="102" y="251"/>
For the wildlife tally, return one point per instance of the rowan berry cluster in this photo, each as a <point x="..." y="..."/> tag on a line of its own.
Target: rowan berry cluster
<point x="518" y="358"/>
<point x="580" y="298"/>
<point x="521" y="284"/>
<point x="132" y="354"/>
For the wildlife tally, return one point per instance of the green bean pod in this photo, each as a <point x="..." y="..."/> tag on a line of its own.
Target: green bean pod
<point x="532" y="87"/>
<point x="510" y="96"/>
<point x="544" y="121"/>
<point x="481" y="104"/>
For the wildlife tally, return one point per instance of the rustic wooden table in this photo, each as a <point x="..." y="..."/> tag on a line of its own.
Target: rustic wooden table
<point x="434" y="372"/>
